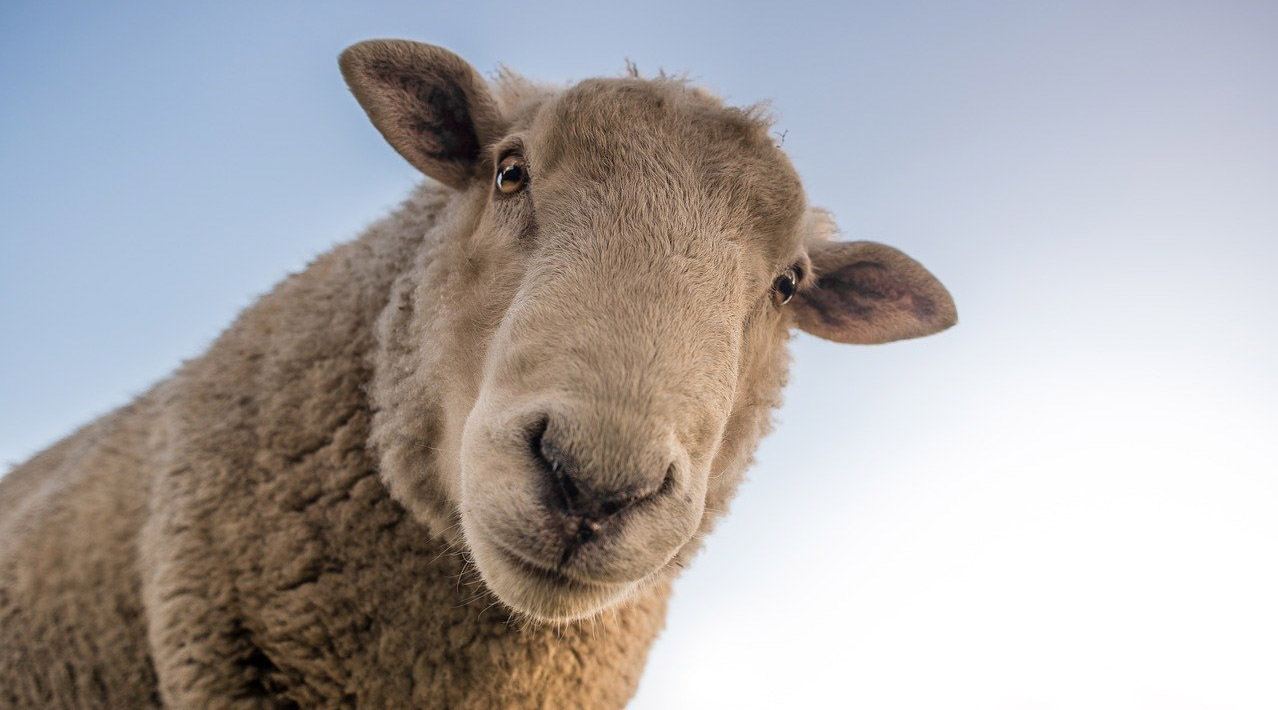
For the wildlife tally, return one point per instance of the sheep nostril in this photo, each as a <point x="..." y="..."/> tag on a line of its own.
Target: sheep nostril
<point x="562" y="490"/>
<point x="668" y="482"/>
<point x="609" y="508"/>
<point x="568" y="490"/>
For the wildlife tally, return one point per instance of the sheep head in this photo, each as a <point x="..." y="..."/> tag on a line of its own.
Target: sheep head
<point x="611" y="303"/>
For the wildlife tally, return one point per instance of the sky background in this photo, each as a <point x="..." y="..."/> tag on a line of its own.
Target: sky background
<point x="1068" y="501"/>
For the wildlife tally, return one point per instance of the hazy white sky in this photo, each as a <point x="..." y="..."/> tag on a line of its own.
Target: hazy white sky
<point x="1068" y="501"/>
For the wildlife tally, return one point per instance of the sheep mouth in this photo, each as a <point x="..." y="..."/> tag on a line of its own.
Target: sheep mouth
<point x="540" y="589"/>
<point x="550" y="575"/>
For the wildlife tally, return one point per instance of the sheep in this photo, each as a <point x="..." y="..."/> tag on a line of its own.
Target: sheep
<point x="456" y="462"/>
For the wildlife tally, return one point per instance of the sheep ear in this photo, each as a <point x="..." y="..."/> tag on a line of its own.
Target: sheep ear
<point x="428" y="103"/>
<point x="870" y="293"/>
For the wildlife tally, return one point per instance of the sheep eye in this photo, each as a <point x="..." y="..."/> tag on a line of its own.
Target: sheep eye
<point x="785" y="286"/>
<point x="512" y="174"/>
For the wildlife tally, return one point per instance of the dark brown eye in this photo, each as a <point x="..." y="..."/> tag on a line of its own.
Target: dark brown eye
<point x="512" y="174"/>
<point x="785" y="286"/>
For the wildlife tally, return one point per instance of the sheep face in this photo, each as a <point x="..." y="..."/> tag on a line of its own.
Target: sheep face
<point x="628" y="257"/>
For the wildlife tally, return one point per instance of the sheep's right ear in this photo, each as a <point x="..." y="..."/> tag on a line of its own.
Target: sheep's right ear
<point x="428" y="103"/>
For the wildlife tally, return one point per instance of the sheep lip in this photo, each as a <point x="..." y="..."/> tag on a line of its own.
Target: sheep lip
<point x="543" y="573"/>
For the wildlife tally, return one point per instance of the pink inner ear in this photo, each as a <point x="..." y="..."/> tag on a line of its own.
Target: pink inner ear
<point x="856" y="291"/>
<point x="873" y="300"/>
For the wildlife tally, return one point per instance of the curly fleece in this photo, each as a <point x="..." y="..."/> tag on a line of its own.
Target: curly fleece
<point x="229" y="532"/>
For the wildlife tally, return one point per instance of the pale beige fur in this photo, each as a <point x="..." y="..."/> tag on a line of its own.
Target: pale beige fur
<point x="456" y="462"/>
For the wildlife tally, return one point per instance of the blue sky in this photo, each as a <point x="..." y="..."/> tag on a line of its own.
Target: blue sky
<point x="1067" y="501"/>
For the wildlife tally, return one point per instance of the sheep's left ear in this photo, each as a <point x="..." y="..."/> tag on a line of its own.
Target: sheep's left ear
<point x="430" y="105"/>
<point x="866" y="292"/>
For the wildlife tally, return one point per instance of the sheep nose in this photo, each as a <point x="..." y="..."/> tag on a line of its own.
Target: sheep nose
<point x="585" y="499"/>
